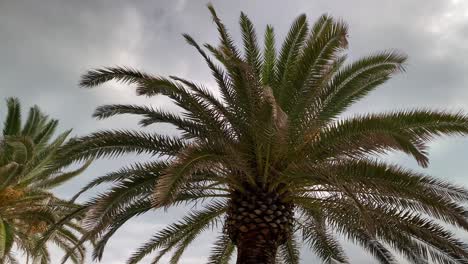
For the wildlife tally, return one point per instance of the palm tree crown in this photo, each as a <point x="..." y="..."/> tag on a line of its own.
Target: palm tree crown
<point x="271" y="160"/>
<point x="29" y="168"/>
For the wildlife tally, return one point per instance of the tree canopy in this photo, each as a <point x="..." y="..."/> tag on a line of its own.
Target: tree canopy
<point x="29" y="169"/>
<point x="272" y="160"/>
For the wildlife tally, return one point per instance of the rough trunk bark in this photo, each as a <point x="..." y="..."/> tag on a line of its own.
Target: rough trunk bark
<point x="258" y="222"/>
<point x="251" y="250"/>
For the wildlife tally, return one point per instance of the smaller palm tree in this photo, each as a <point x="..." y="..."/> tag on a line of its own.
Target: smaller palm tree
<point x="28" y="170"/>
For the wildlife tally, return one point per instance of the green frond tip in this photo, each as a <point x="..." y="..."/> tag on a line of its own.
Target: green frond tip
<point x="269" y="55"/>
<point x="12" y="124"/>
<point x="33" y="122"/>
<point x="122" y="74"/>
<point x="289" y="52"/>
<point x="222" y="250"/>
<point x="226" y="40"/>
<point x="251" y="50"/>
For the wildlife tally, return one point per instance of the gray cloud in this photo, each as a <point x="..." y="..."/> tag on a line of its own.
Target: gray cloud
<point x="46" y="45"/>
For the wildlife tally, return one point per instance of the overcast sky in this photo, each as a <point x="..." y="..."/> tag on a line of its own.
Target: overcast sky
<point x="46" y="45"/>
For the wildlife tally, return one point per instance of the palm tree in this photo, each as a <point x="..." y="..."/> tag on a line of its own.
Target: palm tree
<point x="271" y="160"/>
<point x="29" y="168"/>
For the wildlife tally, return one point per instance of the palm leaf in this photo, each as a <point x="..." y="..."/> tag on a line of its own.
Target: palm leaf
<point x="12" y="125"/>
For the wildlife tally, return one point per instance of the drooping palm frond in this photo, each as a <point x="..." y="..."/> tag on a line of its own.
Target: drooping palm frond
<point x="222" y="250"/>
<point x="289" y="252"/>
<point x="177" y="233"/>
<point x="275" y="157"/>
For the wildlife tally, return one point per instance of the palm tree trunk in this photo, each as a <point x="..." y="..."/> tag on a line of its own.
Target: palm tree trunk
<point x="253" y="251"/>
<point x="257" y="223"/>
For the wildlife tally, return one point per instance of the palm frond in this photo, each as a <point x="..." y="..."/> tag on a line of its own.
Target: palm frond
<point x="63" y="177"/>
<point x="316" y="234"/>
<point x="226" y="40"/>
<point x="174" y="177"/>
<point x="289" y="252"/>
<point x="123" y="74"/>
<point x="252" y="52"/>
<point x="12" y="124"/>
<point x="113" y="143"/>
<point x="323" y="47"/>
<point x="151" y="116"/>
<point x="32" y="122"/>
<point x="357" y="80"/>
<point x="269" y="58"/>
<point x="133" y="209"/>
<point x="288" y="55"/>
<point x="171" y="235"/>
<point x="407" y="131"/>
<point x="218" y="73"/>
<point x="222" y="250"/>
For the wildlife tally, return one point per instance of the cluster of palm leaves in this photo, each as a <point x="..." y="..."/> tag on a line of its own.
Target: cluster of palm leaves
<point x="276" y="130"/>
<point x="29" y="168"/>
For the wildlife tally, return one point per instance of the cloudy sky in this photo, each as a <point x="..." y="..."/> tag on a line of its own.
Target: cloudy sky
<point x="46" y="45"/>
